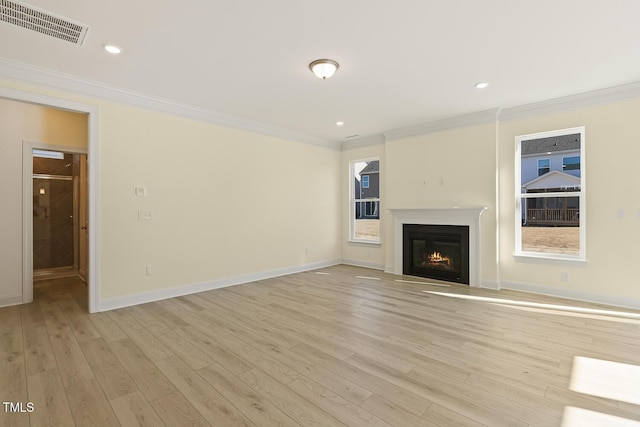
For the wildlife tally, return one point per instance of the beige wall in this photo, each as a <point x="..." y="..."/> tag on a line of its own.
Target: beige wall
<point x="26" y="122"/>
<point x="225" y="203"/>
<point x="363" y="254"/>
<point x="612" y="150"/>
<point x="453" y="168"/>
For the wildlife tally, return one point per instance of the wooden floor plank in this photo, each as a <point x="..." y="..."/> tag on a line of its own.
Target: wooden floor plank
<point x="340" y="408"/>
<point x="134" y="410"/>
<point x="314" y="350"/>
<point x="70" y="359"/>
<point x="291" y="403"/>
<point x="222" y="355"/>
<point x="176" y="411"/>
<point x="253" y="405"/>
<point x="50" y="402"/>
<point x="445" y="417"/>
<point x="107" y="327"/>
<point x="89" y="405"/>
<point x="393" y="414"/>
<point x="78" y="319"/>
<point x="173" y="341"/>
<point x="31" y="315"/>
<point x="252" y="355"/>
<point x="112" y="376"/>
<point x="38" y="351"/>
<point x="146" y="375"/>
<point x="150" y="345"/>
<point x="207" y="400"/>
<point x="402" y="397"/>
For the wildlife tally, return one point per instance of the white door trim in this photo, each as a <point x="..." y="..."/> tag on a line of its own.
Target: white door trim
<point x="92" y="155"/>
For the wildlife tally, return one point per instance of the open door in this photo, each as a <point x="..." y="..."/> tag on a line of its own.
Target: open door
<point x="83" y="219"/>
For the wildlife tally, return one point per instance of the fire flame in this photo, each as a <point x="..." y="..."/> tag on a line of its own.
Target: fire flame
<point x="437" y="258"/>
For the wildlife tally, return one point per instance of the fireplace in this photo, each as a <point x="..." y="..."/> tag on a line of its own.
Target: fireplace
<point x="436" y="252"/>
<point x="462" y="216"/>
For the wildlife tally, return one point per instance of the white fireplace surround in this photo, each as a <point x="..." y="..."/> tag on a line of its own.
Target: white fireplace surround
<point x="441" y="216"/>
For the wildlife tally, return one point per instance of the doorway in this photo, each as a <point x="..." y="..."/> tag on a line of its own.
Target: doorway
<point x="91" y="113"/>
<point x="59" y="214"/>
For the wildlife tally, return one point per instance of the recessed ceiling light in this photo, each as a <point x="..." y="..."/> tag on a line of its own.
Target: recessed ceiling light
<point x="481" y="85"/>
<point x="111" y="48"/>
<point x="339" y="123"/>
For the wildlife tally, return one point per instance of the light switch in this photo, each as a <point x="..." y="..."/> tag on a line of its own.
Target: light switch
<point x="140" y="191"/>
<point x="144" y="216"/>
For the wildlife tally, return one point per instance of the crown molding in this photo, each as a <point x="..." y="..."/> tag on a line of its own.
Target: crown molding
<point x="466" y="120"/>
<point x="36" y="75"/>
<point x="364" y="142"/>
<point x="572" y="102"/>
<point x="31" y="74"/>
<point x="557" y="105"/>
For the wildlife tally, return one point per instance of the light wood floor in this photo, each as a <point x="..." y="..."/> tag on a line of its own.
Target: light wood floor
<point x="320" y="348"/>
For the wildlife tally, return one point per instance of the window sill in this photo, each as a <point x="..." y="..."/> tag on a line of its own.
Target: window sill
<point x="549" y="258"/>
<point x="365" y="242"/>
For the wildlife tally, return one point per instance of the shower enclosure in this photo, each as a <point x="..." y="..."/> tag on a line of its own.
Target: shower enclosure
<point x="55" y="213"/>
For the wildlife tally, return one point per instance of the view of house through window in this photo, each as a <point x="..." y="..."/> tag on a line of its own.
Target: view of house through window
<point x="365" y="200"/>
<point x="550" y="193"/>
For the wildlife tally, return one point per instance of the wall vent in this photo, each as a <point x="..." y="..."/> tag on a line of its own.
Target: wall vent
<point x="43" y="22"/>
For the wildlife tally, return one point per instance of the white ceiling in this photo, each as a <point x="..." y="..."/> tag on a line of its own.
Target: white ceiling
<point x="402" y="63"/>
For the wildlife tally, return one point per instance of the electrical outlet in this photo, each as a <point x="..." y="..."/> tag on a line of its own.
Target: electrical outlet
<point x="564" y="276"/>
<point x="149" y="271"/>
<point x="306" y="249"/>
<point x="144" y="216"/>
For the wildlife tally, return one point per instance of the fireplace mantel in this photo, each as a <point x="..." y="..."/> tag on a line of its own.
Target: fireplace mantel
<point x="469" y="216"/>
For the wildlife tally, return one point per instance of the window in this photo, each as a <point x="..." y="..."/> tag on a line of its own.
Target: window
<point x="543" y="166"/>
<point x="571" y="163"/>
<point x="550" y="200"/>
<point x="47" y="154"/>
<point x="364" y="206"/>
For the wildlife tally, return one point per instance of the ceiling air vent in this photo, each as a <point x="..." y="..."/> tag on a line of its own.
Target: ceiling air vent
<point x="43" y="22"/>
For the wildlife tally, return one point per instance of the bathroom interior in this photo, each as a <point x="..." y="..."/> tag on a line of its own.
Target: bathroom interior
<point x="59" y="214"/>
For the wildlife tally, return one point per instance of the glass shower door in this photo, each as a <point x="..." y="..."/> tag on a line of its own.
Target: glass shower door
<point x="53" y="222"/>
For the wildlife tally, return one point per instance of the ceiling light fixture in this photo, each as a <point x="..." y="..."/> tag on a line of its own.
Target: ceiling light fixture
<point x="481" y="85"/>
<point x="339" y="123"/>
<point x="112" y="49"/>
<point x="324" y="68"/>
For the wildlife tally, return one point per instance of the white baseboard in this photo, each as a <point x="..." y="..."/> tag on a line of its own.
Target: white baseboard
<point x="490" y="284"/>
<point x="145" y="297"/>
<point x="357" y="263"/>
<point x="614" y="300"/>
<point x="7" y="301"/>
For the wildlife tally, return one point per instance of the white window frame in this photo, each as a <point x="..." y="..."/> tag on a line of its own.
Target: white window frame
<point x="352" y="202"/>
<point x="519" y="197"/>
